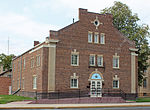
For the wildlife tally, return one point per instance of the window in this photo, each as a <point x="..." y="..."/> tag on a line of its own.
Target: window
<point x="22" y="83"/>
<point x="92" y="60"/>
<point x="102" y="38"/>
<point x="18" y="83"/>
<point x="115" y="61"/>
<point x="115" y="83"/>
<point x="75" y="59"/>
<point x="38" y="60"/>
<point x="145" y="83"/>
<point x="32" y="62"/>
<point x="34" y="82"/>
<point x="74" y="83"/>
<point x="96" y="38"/>
<point x="90" y="37"/>
<point x="24" y="63"/>
<point x="100" y="60"/>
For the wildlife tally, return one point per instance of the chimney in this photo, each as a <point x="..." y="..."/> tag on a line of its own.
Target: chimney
<point x="82" y="12"/>
<point x="36" y="43"/>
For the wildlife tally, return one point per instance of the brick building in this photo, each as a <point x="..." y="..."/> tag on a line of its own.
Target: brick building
<point x="144" y="89"/>
<point x="90" y="54"/>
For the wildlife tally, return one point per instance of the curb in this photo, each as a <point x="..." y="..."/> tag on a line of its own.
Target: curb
<point x="74" y="106"/>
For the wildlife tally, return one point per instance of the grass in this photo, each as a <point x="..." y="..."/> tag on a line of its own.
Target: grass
<point x="12" y="98"/>
<point x="144" y="99"/>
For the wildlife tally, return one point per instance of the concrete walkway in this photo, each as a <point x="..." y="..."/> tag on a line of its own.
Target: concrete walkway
<point x="61" y="106"/>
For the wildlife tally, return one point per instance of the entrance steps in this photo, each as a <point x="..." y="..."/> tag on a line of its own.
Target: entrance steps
<point x="82" y="100"/>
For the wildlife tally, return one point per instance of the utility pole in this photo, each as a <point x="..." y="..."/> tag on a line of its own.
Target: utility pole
<point x="8" y="45"/>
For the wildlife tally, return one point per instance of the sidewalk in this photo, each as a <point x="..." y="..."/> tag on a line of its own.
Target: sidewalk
<point x="61" y="106"/>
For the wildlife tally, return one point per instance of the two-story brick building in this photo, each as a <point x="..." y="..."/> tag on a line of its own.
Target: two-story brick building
<point x="90" y="54"/>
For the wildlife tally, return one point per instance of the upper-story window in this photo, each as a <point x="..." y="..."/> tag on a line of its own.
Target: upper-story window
<point x="102" y="38"/>
<point x="32" y="62"/>
<point x="24" y="63"/>
<point x="100" y="60"/>
<point x="115" y="61"/>
<point x="96" y="38"/>
<point x="75" y="58"/>
<point x="92" y="60"/>
<point x="90" y="37"/>
<point x="38" y="60"/>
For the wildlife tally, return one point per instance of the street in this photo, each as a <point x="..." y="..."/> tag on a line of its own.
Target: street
<point x="114" y="108"/>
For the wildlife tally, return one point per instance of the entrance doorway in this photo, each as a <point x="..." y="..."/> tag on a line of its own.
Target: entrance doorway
<point x="96" y="88"/>
<point x="96" y="79"/>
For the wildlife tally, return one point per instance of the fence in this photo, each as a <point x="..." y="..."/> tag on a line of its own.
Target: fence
<point x="77" y="93"/>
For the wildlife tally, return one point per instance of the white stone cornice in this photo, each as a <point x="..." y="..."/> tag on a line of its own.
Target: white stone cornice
<point x="51" y="41"/>
<point x="133" y="49"/>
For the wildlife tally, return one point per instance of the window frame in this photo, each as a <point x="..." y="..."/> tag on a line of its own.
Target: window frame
<point x="34" y="82"/>
<point x="100" y="56"/>
<point x="96" y="34"/>
<point x="72" y="58"/>
<point x="116" y="57"/>
<point x="91" y="37"/>
<point x="117" y="84"/>
<point x="102" y="36"/>
<point x="38" y="60"/>
<point x="91" y="55"/>
<point x="72" y="84"/>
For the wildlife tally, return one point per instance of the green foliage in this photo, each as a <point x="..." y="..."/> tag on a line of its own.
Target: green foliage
<point x="11" y="98"/>
<point x="5" y="61"/>
<point x="127" y="23"/>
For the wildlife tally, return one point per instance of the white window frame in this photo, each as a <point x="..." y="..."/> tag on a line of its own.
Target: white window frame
<point x="24" y="63"/>
<point x="114" y="59"/>
<point x="34" y="82"/>
<point x="102" y="38"/>
<point x="98" y="57"/>
<point x="77" y="54"/>
<point x="18" y="83"/>
<point x="90" y="37"/>
<point x="38" y="60"/>
<point x="23" y="83"/>
<point x="73" y="78"/>
<point x="96" y="37"/>
<point x="117" y="85"/>
<point x="32" y="62"/>
<point x="91" y="55"/>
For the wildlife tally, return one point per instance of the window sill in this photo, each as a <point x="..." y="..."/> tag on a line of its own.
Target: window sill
<point x="74" y="65"/>
<point x="116" y="68"/>
<point x="74" y="88"/>
<point x="115" y="88"/>
<point x="34" y="88"/>
<point x="96" y="66"/>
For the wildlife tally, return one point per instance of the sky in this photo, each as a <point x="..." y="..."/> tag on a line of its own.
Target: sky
<point x="26" y="21"/>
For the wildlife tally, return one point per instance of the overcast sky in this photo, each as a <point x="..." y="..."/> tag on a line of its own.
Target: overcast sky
<point x="24" y="21"/>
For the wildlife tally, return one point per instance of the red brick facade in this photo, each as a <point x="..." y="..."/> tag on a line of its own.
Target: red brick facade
<point x="5" y="83"/>
<point x="75" y="38"/>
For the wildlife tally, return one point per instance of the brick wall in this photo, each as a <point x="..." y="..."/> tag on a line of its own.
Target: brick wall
<point x="5" y="82"/>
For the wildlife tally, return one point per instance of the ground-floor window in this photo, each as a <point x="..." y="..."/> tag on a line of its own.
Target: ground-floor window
<point x="115" y="83"/>
<point x="34" y="82"/>
<point x="74" y="83"/>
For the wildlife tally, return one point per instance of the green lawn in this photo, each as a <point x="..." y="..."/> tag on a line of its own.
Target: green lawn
<point x="145" y="99"/>
<point x="11" y="98"/>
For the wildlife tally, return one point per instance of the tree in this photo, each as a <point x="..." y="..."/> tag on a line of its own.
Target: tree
<point x="127" y="23"/>
<point x="5" y="61"/>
